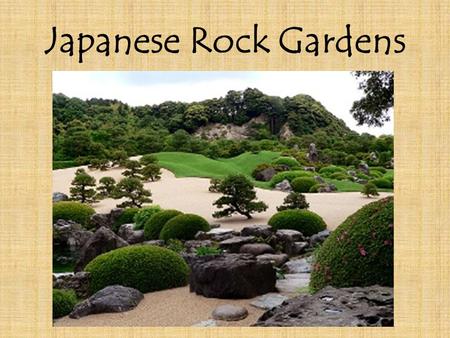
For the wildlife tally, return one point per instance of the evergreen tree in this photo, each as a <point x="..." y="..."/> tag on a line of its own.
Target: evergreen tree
<point x="369" y="190"/>
<point x="106" y="187"/>
<point x="294" y="200"/>
<point x="132" y="189"/>
<point x="151" y="172"/>
<point x="81" y="187"/>
<point x="133" y="169"/>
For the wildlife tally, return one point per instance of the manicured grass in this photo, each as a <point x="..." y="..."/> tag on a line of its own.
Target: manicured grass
<point x="195" y="165"/>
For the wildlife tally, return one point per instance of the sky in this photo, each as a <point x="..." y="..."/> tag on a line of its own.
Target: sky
<point x="335" y="90"/>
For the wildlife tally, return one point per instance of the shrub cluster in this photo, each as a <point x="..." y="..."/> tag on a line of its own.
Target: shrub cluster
<point x="288" y="175"/>
<point x="73" y="211"/>
<point x="154" y="225"/>
<point x="126" y="217"/>
<point x="144" y="267"/>
<point x="307" y="222"/>
<point x="382" y="183"/>
<point x="143" y="215"/>
<point x="183" y="227"/>
<point x="63" y="302"/>
<point x="331" y="169"/>
<point x="287" y="161"/>
<point x="360" y="251"/>
<point x="303" y="184"/>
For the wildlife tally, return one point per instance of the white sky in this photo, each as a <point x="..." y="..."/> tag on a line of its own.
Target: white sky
<point x="335" y="90"/>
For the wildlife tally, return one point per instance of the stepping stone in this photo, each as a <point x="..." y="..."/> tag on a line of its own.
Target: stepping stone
<point x="229" y="312"/>
<point x="233" y="244"/>
<point x="206" y="323"/>
<point x="293" y="282"/>
<point x="256" y="249"/>
<point x="269" y="301"/>
<point x="276" y="259"/>
<point x="298" y="266"/>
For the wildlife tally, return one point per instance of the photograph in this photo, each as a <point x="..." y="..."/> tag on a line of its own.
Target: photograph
<point x="223" y="198"/>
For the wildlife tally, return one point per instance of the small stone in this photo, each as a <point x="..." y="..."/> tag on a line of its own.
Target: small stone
<point x="59" y="196"/>
<point x="283" y="186"/>
<point x="229" y="312"/>
<point x="206" y="323"/>
<point x="269" y="301"/>
<point x="256" y="249"/>
<point x="276" y="259"/>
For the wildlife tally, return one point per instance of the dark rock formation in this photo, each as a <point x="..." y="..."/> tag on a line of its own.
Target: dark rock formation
<point x="68" y="238"/>
<point x="313" y="156"/>
<point x="319" y="238"/>
<point x="106" y="220"/>
<point x="283" y="186"/>
<point x="256" y="249"/>
<point x="79" y="282"/>
<point x="277" y="260"/>
<point x="127" y="232"/>
<point x="234" y="243"/>
<point x="263" y="231"/>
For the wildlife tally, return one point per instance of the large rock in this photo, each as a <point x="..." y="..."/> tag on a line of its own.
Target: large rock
<point x="319" y="238"/>
<point x="292" y="241"/>
<point x="313" y="155"/>
<point x="266" y="174"/>
<point x="301" y="265"/>
<point x="127" y="232"/>
<point x="79" y="282"/>
<point x="231" y="276"/>
<point x="59" y="196"/>
<point x="368" y="306"/>
<point x="68" y="239"/>
<point x="216" y="234"/>
<point x="277" y="260"/>
<point x="234" y="243"/>
<point x="263" y="231"/>
<point x="229" y="312"/>
<point x="284" y="185"/>
<point x="114" y="298"/>
<point x="256" y="249"/>
<point x="106" y="220"/>
<point x="102" y="241"/>
<point x="364" y="168"/>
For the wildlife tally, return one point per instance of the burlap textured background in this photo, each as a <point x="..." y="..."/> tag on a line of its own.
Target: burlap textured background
<point x="422" y="138"/>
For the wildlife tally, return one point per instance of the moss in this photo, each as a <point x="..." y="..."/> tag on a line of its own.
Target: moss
<point x="183" y="227"/>
<point x="63" y="302"/>
<point x="154" y="224"/>
<point x="307" y="222"/>
<point x="360" y="251"/>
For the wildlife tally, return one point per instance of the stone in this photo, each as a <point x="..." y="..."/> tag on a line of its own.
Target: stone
<point x="309" y="168"/>
<point x="364" y="168"/>
<point x="231" y="276"/>
<point x="313" y="156"/>
<point x="297" y="248"/>
<point x="206" y="323"/>
<point x="361" y="181"/>
<point x="293" y="283"/>
<point x="102" y="241"/>
<point x="106" y="220"/>
<point x="216" y="234"/>
<point x="266" y="174"/>
<point x="263" y="231"/>
<point x="277" y="260"/>
<point x="358" y="306"/>
<point x="68" y="239"/>
<point x="292" y="241"/>
<point x="319" y="238"/>
<point x="269" y="301"/>
<point x="59" y="196"/>
<point x="79" y="282"/>
<point x="351" y="173"/>
<point x="229" y="313"/>
<point x="373" y="157"/>
<point x="234" y="243"/>
<point x="284" y="185"/>
<point x="256" y="249"/>
<point x="298" y="266"/>
<point x="127" y="232"/>
<point x="194" y="244"/>
<point x="157" y="242"/>
<point x="114" y="298"/>
<point x="319" y="179"/>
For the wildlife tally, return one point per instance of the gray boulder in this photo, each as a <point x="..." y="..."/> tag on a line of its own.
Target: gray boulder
<point x="256" y="249"/>
<point x="234" y="243"/>
<point x="358" y="306"/>
<point x="313" y="155"/>
<point x="263" y="231"/>
<point x="276" y="260"/>
<point x="59" y="196"/>
<point x="216" y="234"/>
<point x="127" y="232"/>
<point x="293" y="242"/>
<point x="283" y="186"/>
<point x="231" y="276"/>
<point x="102" y="241"/>
<point x="68" y="239"/>
<point x="115" y="298"/>
<point x="364" y="168"/>
<point x="106" y="220"/>
<point x="266" y="174"/>
<point x="269" y="301"/>
<point x="229" y="312"/>
<point x="319" y="238"/>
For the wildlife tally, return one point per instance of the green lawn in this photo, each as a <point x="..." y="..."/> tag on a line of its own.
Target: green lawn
<point x="195" y="165"/>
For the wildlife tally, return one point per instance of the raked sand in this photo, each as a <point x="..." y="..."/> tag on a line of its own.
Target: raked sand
<point x="191" y="195"/>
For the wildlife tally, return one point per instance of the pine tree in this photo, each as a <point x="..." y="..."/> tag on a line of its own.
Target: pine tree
<point x="81" y="187"/>
<point x="106" y="187"/>
<point x="132" y="189"/>
<point x="133" y="169"/>
<point x="151" y="172"/>
<point x="294" y="200"/>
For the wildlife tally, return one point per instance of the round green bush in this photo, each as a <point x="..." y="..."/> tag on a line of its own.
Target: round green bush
<point x="154" y="225"/>
<point x="331" y="169"/>
<point x="376" y="174"/>
<point x="360" y="251"/>
<point x="144" y="215"/>
<point x="340" y="176"/>
<point x="316" y="187"/>
<point x="303" y="184"/>
<point x="307" y="222"/>
<point x="126" y="217"/>
<point x="183" y="227"/>
<point x="63" y="302"/>
<point x="382" y="183"/>
<point x="73" y="211"/>
<point x="289" y="175"/>
<point x="287" y="161"/>
<point x="380" y="169"/>
<point x="144" y="267"/>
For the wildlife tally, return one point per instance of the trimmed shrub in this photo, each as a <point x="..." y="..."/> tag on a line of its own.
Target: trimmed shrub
<point x="307" y="222"/>
<point x="144" y="267"/>
<point x="63" y="302"/>
<point x="143" y="215"/>
<point x="382" y="183"/>
<point x="360" y="251"/>
<point x="183" y="227"/>
<point x="289" y="175"/>
<point x="316" y="187"/>
<point x="380" y="169"/>
<point x="303" y="184"/>
<point x="126" y="217"/>
<point x="369" y="189"/>
<point x="331" y="169"/>
<point x="340" y="176"/>
<point x="376" y="174"/>
<point x="362" y="176"/>
<point x="73" y="211"/>
<point x="287" y="161"/>
<point x="154" y="224"/>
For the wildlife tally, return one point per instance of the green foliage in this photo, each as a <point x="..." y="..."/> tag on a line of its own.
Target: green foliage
<point x="133" y="169"/>
<point x="208" y="251"/>
<point x="382" y="183"/>
<point x="238" y="196"/>
<point x="63" y="164"/>
<point x="63" y="302"/>
<point x="360" y="251"/>
<point x="376" y="174"/>
<point x="175" y="245"/>
<point x="106" y="187"/>
<point x="380" y="169"/>
<point x="144" y="267"/>
<point x="331" y="169"/>
<point x="307" y="222"/>
<point x="143" y="215"/>
<point x="118" y="157"/>
<point x="183" y="227"/>
<point x="81" y="187"/>
<point x="154" y="225"/>
<point x="316" y="187"/>
<point x="73" y="211"/>
<point x="99" y="163"/>
<point x="126" y="217"/>
<point x="289" y="175"/>
<point x="214" y="184"/>
<point x="132" y="189"/>
<point x="288" y="161"/>
<point x="148" y="159"/>
<point x="369" y="189"/>
<point x="303" y="184"/>
<point x="294" y="200"/>
<point x="151" y="172"/>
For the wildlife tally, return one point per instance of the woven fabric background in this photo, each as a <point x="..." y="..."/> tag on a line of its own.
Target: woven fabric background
<point x="422" y="138"/>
